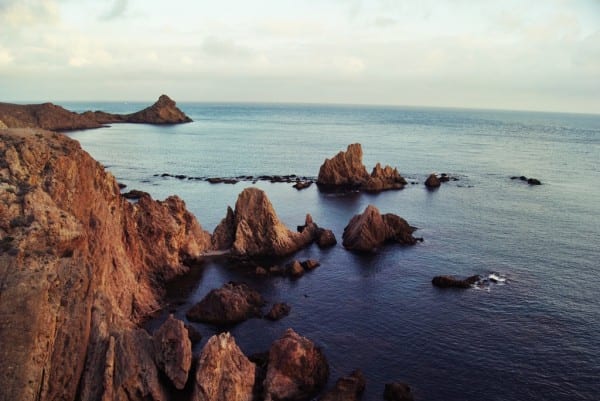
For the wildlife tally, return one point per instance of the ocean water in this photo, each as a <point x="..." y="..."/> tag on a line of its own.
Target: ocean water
<point x="534" y="337"/>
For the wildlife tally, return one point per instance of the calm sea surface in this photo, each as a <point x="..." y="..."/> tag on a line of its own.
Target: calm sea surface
<point x="535" y="337"/>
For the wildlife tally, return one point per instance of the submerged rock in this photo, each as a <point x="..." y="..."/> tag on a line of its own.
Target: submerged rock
<point x="173" y="351"/>
<point x="224" y="372"/>
<point x="347" y="388"/>
<point x="278" y="311"/>
<point x="397" y="391"/>
<point x="530" y="181"/>
<point x="297" y="369"/>
<point x="452" y="282"/>
<point x="254" y="229"/>
<point x="346" y="171"/>
<point x="230" y="304"/>
<point x="368" y="231"/>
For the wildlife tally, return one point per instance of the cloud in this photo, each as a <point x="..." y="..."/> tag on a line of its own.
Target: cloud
<point x="118" y="9"/>
<point x="17" y="13"/>
<point x="5" y="57"/>
<point x="223" y="48"/>
<point x="384" y="22"/>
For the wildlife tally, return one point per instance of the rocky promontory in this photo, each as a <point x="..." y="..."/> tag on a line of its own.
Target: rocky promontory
<point x="368" y="231"/>
<point x="346" y="171"/>
<point x="56" y="118"/>
<point x="80" y="267"/>
<point x="253" y="229"/>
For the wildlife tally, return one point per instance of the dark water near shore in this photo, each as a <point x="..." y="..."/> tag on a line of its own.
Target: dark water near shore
<point x="535" y="337"/>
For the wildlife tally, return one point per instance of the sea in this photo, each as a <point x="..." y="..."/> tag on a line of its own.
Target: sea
<point x="532" y="334"/>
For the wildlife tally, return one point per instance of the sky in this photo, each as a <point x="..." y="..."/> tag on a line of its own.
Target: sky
<point x="510" y="54"/>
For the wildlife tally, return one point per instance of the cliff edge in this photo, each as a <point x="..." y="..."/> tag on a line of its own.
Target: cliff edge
<point x="80" y="266"/>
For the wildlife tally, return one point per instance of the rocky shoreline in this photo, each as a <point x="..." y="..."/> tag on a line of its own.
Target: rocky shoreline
<point x="82" y="266"/>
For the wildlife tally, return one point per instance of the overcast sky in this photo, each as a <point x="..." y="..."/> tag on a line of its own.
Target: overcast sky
<point x="533" y="55"/>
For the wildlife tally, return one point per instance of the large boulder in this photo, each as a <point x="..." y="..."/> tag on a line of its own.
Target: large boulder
<point x="254" y="229"/>
<point x="433" y="181"/>
<point x="232" y="303"/>
<point x="346" y="171"/>
<point x="347" y="388"/>
<point x="173" y="351"/>
<point x="297" y="369"/>
<point x="224" y="372"/>
<point x="81" y="267"/>
<point x="370" y="230"/>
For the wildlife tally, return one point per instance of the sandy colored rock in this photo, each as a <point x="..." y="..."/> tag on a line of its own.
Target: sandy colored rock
<point x="224" y="372"/>
<point x="297" y="369"/>
<point x="2" y="125"/>
<point x="173" y="351"/>
<point x="370" y="230"/>
<point x="254" y="229"/>
<point x="83" y="265"/>
<point x="346" y="171"/>
<point x="230" y="304"/>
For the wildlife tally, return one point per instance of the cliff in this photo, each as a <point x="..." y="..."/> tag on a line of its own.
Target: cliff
<point x="56" y="118"/>
<point x="80" y="266"/>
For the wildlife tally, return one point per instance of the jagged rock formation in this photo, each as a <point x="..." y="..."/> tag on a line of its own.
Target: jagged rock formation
<point x="297" y="369"/>
<point x="56" y="118"/>
<point x="224" y="372"/>
<point x="230" y="304"/>
<point x="368" y="231"/>
<point x="254" y="229"/>
<point x="347" y="388"/>
<point x="80" y="266"/>
<point x="346" y="171"/>
<point x="173" y="351"/>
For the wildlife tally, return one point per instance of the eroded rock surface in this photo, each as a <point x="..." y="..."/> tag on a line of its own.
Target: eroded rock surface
<point x="254" y="229"/>
<point x="346" y="171"/>
<point x="173" y="351"/>
<point x="224" y="372"/>
<point x="80" y="266"/>
<point x="370" y="230"/>
<point x="230" y="304"/>
<point x="297" y="369"/>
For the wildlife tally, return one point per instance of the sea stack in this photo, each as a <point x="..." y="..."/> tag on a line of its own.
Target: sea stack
<point x="253" y="229"/>
<point x="346" y="171"/>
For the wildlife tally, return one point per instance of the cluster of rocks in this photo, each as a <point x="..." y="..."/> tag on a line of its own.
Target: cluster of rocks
<point x="300" y="182"/>
<point x="346" y="171"/>
<point x="56" y="118"/>
<point x="435" y="181"/>
<point x="530" y="181"/>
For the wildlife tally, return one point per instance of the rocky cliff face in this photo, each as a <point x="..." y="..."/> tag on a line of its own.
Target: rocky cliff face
<point x="254" y="229"/>
<point x="79" y="267"/>
<point x="52" y="117"/>
<point x="346" y="171"/>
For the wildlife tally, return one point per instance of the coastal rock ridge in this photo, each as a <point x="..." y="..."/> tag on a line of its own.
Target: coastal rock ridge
<point x="80" y="268"/>
<point x="346" y="171"/>
<point x="56" y="118"/>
